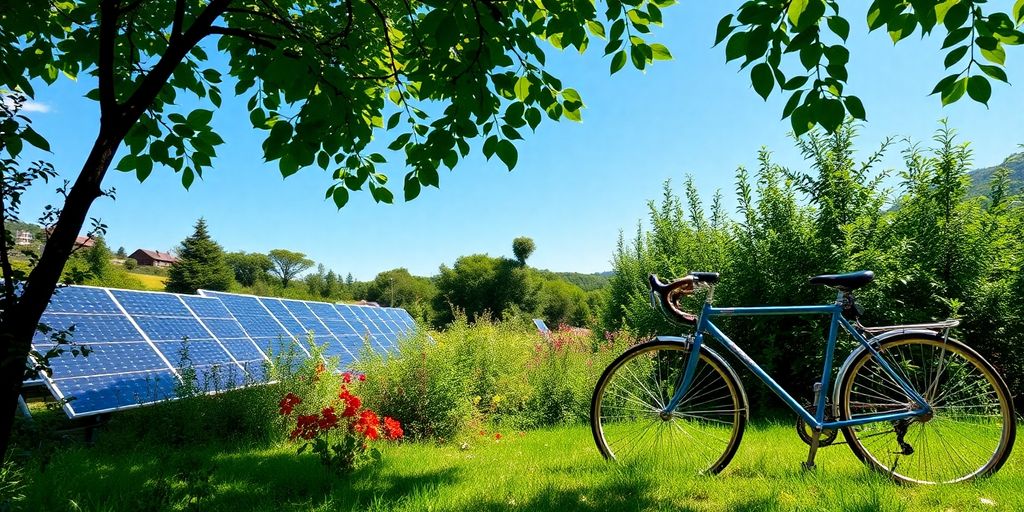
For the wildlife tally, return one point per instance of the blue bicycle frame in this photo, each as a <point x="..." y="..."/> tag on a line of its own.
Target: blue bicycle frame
<point x="817" y="422"/>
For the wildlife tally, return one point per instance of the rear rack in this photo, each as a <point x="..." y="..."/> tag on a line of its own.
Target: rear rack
<point x="943" y="327"/>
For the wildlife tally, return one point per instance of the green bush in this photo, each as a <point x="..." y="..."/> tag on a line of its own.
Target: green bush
<point x="130" y="264"/>
<point x="502" y="373"/>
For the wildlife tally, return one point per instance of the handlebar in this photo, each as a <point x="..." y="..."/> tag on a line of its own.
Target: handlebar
<point x="666" y="295"/>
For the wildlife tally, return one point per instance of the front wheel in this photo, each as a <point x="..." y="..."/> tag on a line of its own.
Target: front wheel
<point x="969" y="432"/>
<point x="627" y="410"/>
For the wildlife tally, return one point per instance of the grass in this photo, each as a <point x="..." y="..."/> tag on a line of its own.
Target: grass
<point x="151" y="282"/>
<point x="555" y="469"/>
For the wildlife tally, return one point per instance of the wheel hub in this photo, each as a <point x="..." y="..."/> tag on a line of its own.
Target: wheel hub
<point x="665" y="415"/>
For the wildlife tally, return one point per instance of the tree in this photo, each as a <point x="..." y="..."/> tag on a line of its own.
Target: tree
<point x="321" y="78"/>
<point x="330" y="284"/>
<point x="121" y="253"/>
<point x="523" y="247"/>
<point x="249" y="267"/>
<point x="287" y="264"/>
<point x="201" y="264"/>
<point x="98" y="258"/>
<point x="479" y="283"/>
<point x="349" y="279"/>
<point x="398" y="288"/>
<point x="771" y="33"/>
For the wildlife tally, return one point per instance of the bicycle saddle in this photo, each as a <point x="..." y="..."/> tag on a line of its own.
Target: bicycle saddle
<point x="845" y="282"/>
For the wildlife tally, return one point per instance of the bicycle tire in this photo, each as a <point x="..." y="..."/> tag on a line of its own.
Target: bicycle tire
<point x="961" y="443"/>
<point x="723" y="413"/>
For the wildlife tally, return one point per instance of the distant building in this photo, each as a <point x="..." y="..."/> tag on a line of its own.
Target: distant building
<point x="84" y="241"/>
<point x="23" y="237"/>
<point x="153" y="258"/>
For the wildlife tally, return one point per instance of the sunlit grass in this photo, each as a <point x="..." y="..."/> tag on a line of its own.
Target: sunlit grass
<point x="557" y="469"/>
<point x="151" y="282"/>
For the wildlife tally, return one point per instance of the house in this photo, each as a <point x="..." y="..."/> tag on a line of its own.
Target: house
<point x="84" y="241"/>
<point x="153" y="258"/>
<point x="23" y="237"/>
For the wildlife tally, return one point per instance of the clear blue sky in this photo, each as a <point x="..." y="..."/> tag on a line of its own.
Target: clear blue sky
<point x="576" y="185"/>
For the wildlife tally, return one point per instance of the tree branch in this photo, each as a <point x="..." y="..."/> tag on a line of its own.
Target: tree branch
<point x="105" y="63"/>
<point x="179" y="20"/>
<point x="264" y="40"/>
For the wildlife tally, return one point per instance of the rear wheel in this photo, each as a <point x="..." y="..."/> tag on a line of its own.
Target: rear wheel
<point x="970" y="431"/>
<point x="701" y="434"/>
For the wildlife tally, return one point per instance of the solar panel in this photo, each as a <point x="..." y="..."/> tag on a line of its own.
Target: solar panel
<point x="263" y="328"/>
<point x="142" y="342"/>
<point x="124" y="368"/>
<point x="183" y="339"/>
<point x="322" y="336"/>
<point x="346" y="334"/>
<point x="219" y="322"/>
<point x="358" y="319"/>
<point x="541" y="326"/>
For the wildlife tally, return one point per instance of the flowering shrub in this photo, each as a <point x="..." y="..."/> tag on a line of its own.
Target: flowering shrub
<point x="342" y="440"/>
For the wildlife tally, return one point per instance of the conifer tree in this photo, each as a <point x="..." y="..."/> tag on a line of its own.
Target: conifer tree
<point x="201" y="264"/>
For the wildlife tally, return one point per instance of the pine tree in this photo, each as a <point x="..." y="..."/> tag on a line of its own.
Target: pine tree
<point x="201" y="264"/>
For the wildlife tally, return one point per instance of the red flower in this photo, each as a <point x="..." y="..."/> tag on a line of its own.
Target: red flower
<point x="288" y="403"/>
<point x="497" y="436"/>
<point x="368" y="424"/>
<point x="482" y="433"/>
<point x="392" y="429"/>
<point x="352" y="403"/>
<point x="362" y="377"/>
<point x="306" y="427"/>
<point x="328" y="420"/>
<point x="346" y="377"/>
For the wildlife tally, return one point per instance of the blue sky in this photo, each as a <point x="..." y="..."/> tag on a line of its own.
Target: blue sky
<point x="576" y="185"/>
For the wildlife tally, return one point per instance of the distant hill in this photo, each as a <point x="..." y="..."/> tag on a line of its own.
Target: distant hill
<point x="588" y="282"/>
<point x="981" y="179"/>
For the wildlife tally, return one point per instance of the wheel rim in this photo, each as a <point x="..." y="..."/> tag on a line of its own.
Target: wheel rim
<point x="702" y="432"/>
<point x="963" y="438"/>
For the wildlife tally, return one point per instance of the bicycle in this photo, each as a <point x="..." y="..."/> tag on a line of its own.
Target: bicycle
<point x="910" y="401"/>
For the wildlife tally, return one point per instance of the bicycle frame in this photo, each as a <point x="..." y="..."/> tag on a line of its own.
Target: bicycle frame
<point x="817" y="422"/>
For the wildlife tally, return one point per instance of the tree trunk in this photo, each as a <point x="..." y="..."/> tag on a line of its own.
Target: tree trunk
<point x="18" y="324"/>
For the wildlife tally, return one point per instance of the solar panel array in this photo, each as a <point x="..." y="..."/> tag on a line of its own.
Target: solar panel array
<point x="145" y="345"/>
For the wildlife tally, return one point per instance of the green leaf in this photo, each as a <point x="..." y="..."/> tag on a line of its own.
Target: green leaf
<point x="618" y="61"/>
<point x="791" y="105"/>
<point x="533" y="117"/>
<point x="143" y="167"/>
<point x="571" y="95"/>
<point x="855" y="107"/>
<point x="956" y="37"/>
<point x="199" y="117"/>
<point x="944" y="83"/>
<point x="187" y="177"/>
<point x="839" y="26"/>
<point x="994" y="71"/>
<point x="636" y="54"/>
<point x="979" y="89"/>
<point x="762" y="79"/>
<point x="725" y="28"/>
<point x="412" y="186"/>
<point x="997" y="56"/>
<point x="127" y="164"/>
<point x="382" y="195"/>
<point x="340" y="197"/>
<point x="595" y="28"/>
<point x="661" y="52"/>
<point x="736" y="47"/>
<point x="830" y="114"/>
<point x="801" y="121"/>
<point x="522" y="88"/>
<point x="796" y="8"/>
<point x="29" y="135"/>
<point x="956" y="16"/>
<point x="428" y="177"/>
<point x="1018" y="11"/>
<point x="954" y="91"/>
<point x="955" y="55"/>
<point x="507" y="153"/>
<point x="795" y="83"/>
<point x="942" y="8"/>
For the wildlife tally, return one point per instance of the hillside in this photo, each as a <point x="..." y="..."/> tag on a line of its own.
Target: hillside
<point x="981" y="179"/>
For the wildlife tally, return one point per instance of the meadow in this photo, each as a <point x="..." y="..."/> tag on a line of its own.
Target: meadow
<point x="548" y="469"/>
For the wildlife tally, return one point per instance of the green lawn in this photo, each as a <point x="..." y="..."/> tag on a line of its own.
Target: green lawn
<point x="557" y="469"/>
<point x="151" y="282"/>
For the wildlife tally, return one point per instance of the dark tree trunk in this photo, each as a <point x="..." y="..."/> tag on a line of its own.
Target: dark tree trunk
<point x="19" y="322"/>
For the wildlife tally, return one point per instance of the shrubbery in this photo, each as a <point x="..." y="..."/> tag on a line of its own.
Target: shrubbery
<point x="504" y="373"/>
